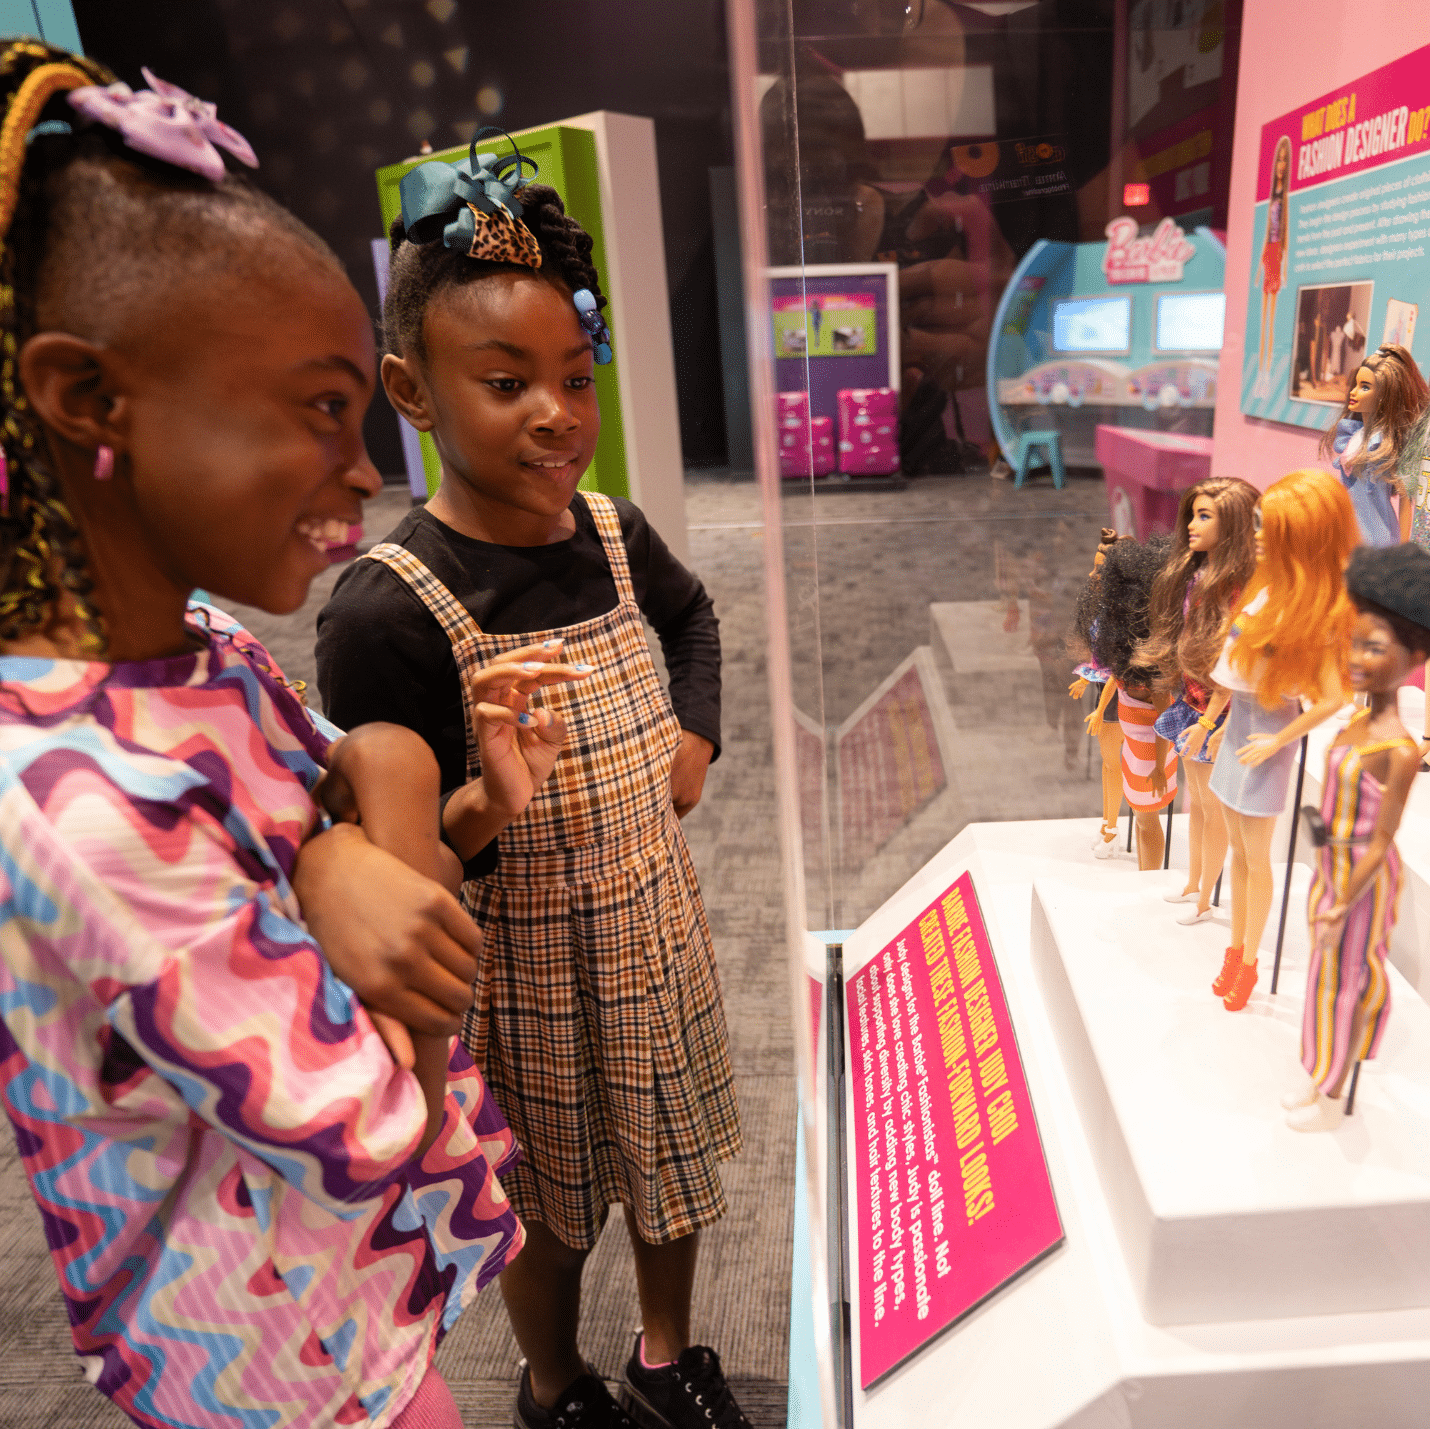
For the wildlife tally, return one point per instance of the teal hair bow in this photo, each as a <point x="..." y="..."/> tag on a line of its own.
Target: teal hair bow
<point x="442" y="199"/>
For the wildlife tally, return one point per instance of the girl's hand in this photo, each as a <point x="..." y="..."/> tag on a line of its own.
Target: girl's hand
<point x="1077" y="688"/>
<point x="1258" y="749"/>
<point x="400" y="941"/>
<point x="687" y="771"/>
<point x="1196" y="737"/>
<point x="1094" y="722"/>
<point x="518" y="750"/>
<point x="519" y="745"/>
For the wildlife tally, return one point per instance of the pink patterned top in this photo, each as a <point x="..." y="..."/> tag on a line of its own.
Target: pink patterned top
<point x="218" y="1141"/>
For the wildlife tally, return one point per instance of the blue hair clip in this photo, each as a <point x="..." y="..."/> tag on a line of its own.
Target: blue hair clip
<point x="446" y="200"/>
<point x="594" y="324"/>
<point x="48" y="126"/>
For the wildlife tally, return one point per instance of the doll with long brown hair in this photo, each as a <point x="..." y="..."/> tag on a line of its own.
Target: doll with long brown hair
<point x="1274" y="250"/>
<point x="1386" y="397"/>
<point x="1212" y="559"/>
<point x="1288" y="640"/>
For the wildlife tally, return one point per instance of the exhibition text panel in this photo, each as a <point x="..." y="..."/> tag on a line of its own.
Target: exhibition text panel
<point x="953" y="1197"/>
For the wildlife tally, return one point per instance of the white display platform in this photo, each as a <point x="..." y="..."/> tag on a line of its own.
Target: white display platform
<point x="1224" y="1212"/>
<point x="1067" y="1344"/>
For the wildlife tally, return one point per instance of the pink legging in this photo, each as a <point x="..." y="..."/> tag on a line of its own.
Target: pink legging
<point x="432" y="1407"/>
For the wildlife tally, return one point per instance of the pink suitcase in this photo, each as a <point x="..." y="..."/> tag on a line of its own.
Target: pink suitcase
<point x="821" y="431"/>
<point x="792" y="427"/>
<point x="868" y="431"/>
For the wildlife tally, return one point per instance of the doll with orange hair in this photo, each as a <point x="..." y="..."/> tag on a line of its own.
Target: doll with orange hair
<point x="1288" y="641"/>
<point x="1386" y="396"/>
<point x="1212" y="559"/>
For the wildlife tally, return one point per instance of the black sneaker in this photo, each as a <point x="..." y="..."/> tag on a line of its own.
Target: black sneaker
<point x="689" y="1394"/>
<point x="585" y="1403"/>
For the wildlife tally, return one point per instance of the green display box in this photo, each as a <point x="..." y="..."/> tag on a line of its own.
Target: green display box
<point x="566" y="158"/>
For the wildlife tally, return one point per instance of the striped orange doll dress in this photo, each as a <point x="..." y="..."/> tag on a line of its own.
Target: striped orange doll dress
<point x="1139" y="755"/>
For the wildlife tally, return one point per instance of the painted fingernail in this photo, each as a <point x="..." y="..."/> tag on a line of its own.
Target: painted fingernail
<point x="523" y="718"/>
<point x="531" y="665"/>
<point x="552" y="644"/>
<point x="583" y="668"/>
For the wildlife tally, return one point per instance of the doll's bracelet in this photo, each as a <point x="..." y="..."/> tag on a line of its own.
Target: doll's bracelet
<point x="1207" y="723"/>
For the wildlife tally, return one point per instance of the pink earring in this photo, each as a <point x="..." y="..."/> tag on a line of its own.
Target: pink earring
<point x="104" y="463"/>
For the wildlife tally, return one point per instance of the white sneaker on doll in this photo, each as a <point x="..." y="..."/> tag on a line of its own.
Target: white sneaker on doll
<point x="1192" y="915"/>
<point x="1105" y="847"/>
<point x="1175" y="897"/>
<point x="1321" y="1114"/>
<point x="1300" y="1096"/>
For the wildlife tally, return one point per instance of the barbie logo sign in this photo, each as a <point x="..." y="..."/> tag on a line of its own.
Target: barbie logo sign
<point x="1158" y="259"/>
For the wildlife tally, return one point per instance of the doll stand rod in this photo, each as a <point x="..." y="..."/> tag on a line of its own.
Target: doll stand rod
<point x="1290" y="859"/>
<point x="1216" y="892"/>
<point x="1167" y="842"/>
<point x="1351" y="1094"/>
<point x="1129" y="830"/>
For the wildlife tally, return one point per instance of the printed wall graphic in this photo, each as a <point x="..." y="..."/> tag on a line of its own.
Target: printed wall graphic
<point x="1331" y="333"/>
<point x="952" y="1195"/>
<point x="826" y="325"/>
<point x="1339" y="241"/>
<point x="1400" y="323"/>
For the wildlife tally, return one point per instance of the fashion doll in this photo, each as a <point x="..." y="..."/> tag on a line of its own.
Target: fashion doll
<point x="1366" y="445"/>
<point x="1414" y="473"/>
<point x="1287" y="641"/>
<point x="1102" y="723"/>
<point x="1369" y="770"/>
<point x="1274" y="250"/>
<point x="1212" y="558"/>
<point x="1147" y="763"/>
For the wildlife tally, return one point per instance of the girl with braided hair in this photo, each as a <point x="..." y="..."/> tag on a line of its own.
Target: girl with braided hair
<point x="256" y="1212"/>
<point x="598" y="1021"/>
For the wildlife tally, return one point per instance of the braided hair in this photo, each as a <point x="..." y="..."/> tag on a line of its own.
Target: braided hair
<point x="419" y="272"/>
<point x="90" y="233"/>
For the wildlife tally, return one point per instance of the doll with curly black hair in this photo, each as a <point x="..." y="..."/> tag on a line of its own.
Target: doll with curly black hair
<point x="1113" y="620"/>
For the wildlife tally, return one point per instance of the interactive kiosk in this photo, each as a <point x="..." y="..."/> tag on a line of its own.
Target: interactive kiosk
<point x="1106" y="354"/>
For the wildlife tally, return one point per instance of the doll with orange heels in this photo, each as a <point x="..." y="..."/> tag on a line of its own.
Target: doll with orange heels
<point x="1370" y="767"/>
<point x="1212" y="559"/>
<point x="1288" y="641"/>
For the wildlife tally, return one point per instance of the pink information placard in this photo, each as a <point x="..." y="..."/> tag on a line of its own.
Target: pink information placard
<point x="952" y="1194"/>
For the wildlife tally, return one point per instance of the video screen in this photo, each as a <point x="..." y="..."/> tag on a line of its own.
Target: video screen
<point x="1092" y="325"/>
<point x="1190" y="322"/>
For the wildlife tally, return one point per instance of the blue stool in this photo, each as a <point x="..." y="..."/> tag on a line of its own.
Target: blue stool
<point x="1052" y="443"/>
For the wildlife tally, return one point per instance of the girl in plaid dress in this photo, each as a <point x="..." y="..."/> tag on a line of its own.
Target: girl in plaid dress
<point x="597" y="1019"/>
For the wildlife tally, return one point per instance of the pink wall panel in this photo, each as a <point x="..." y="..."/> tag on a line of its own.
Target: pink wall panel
<point x="1291" y="51"/>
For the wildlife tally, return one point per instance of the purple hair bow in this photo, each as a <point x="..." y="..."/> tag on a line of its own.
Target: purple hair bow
<point x="167" y="123"/>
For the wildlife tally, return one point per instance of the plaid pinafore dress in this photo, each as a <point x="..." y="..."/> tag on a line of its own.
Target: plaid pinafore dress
<point x="597" y="1020"/>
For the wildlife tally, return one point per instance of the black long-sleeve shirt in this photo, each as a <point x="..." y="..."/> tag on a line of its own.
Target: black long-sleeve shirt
<point x="382" y="655"/>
